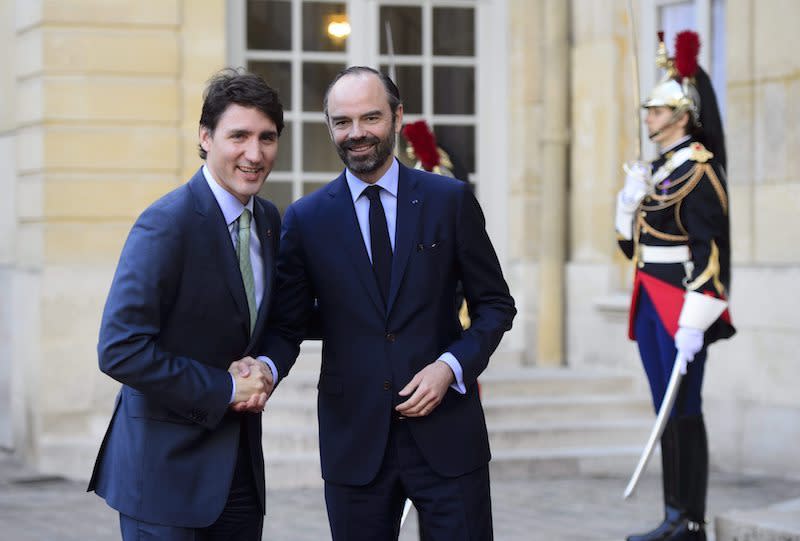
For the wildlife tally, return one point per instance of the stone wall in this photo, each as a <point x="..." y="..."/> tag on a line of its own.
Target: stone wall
<point x="751" y="391"/>
<point x="105" y="122"/>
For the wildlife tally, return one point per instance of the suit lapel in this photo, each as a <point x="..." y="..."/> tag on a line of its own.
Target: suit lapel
<point x="216" y="230"/>
<point x="409" y="210"/>
<point x="266" y="235"/>
<point x="343" y="219"/>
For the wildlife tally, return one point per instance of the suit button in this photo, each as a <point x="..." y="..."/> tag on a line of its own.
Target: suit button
<point x="387" y="385"/>
<point x="389" y="337"/>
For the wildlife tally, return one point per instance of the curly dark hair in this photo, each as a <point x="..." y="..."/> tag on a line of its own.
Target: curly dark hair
<point x="237" y="86"/>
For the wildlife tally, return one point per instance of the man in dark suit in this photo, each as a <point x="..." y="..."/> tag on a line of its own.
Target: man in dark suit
<point x="182" y="456"/>
<point x="379" y="251"/>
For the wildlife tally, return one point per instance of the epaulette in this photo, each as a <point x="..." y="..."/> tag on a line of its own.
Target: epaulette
<point x="699" y="153"/>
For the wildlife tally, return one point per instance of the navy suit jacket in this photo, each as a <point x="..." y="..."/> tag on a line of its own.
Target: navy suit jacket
<point x="175" y="318"/>
<point x="370" y="352"/>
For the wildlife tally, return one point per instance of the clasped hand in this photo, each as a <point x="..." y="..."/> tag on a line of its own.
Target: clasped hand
<point x="427" y="389"/>
<point x="254" y="385"/>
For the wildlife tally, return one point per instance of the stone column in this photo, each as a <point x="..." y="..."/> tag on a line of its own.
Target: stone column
<point x="555" y="145"/>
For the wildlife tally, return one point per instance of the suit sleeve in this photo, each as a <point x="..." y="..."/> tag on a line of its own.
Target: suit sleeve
<point x="294" y="299"/>
<point x="490" y="304"/>
<point x="138" y="306"/>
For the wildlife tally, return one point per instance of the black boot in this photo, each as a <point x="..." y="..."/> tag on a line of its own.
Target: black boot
<point x="673" y="511"/>
<point x="693" y="478"/>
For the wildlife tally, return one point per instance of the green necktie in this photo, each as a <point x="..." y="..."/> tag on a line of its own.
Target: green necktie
<point x="243" y="251"/>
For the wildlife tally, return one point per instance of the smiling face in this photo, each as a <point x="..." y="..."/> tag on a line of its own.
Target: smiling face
<point x="241" y="150"/>
<point x="362" y="126"/>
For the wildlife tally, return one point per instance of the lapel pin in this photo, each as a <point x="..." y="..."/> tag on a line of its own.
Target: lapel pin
<point x="414" y="201"/>
<point x="269" y="232"/>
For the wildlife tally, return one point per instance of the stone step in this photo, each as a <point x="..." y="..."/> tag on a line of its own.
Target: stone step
<point x="548" y="382"/>
<point x="576" y="434"/>
<point x="302" y="469"/>
<point x="296" y="470"/>
<point x="594" y="407"/>
<point x="286" y="411"/>
<point x="290" y="441"/>
<point x="602" y="460"/>
<point x="502" y="437"/>
<point x="779" y="522"/>
<point x="497" y="383"/>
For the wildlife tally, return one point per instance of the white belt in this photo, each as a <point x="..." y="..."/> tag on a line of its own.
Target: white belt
<point x="664" y="254"/>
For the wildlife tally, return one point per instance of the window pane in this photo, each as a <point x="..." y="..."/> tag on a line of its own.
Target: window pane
<point x="454" y="31"/>
<point x="278" y="75"/>
<point x="453" y="90"/>
<point x="309" y="187"/>
<point x="319" y="154"/>
<point x="316" y="77"/>
<point x="269" y="24"/>
<point x="406" y="24"/>
<point x="284" y="160"/>
<point x="409" y="80"/>
<point x="279" y="192"/>
<point x="459" y="143"/>
<point x="316" y="18"/>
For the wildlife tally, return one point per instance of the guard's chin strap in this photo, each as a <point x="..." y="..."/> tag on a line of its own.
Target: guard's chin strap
<point x="676" y="115"/>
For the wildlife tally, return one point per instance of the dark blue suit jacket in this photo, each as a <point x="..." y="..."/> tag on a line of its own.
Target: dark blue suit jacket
<point x="371" y="352"/>
<point x="175" y="318"/>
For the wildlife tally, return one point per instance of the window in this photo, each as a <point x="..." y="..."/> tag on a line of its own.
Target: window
<point x="434" y="65"/>
<point x="292" y="45"/>
<point x="434" y="62"/>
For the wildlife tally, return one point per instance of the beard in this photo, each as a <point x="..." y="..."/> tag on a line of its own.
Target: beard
<point x="372" y="161"/>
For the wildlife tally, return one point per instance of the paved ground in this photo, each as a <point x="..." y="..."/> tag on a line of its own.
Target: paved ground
<point x="35" y="508"/>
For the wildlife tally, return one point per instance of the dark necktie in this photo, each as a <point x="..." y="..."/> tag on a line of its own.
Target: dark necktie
<point x="379" y="241"/>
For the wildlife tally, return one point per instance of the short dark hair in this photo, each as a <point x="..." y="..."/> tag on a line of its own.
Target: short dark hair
<point x="237" y="86"/>
<point x="392" y="92"/>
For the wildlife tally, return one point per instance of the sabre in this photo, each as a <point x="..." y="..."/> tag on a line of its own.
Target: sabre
<point x="636" y="97"/>
<point x="658" y="427"/>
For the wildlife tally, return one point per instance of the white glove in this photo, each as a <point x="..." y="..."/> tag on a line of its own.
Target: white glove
<point x="688" y="341"/>
<point x="638" y="183"/>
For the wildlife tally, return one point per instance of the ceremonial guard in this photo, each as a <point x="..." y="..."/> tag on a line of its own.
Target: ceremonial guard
<point x="672" y="221"/>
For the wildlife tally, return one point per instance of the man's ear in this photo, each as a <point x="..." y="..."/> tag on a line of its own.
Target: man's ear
<point x="205" y="136"/>
<point x="398" y="119"/>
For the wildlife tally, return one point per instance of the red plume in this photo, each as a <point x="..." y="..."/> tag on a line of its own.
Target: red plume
<point x="423" y="142"/>
<point x="687" y="45"/>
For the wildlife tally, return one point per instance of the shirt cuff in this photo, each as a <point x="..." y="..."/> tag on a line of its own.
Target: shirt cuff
<point x="233" y="388"/>
<point x="271" y="367"/>
<point x="455" y="366"/>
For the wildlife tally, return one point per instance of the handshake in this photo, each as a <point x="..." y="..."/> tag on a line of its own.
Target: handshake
<point x="254" y="385"/>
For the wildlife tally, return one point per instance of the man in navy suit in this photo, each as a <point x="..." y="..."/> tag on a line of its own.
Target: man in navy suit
<point x="182" y="457"/>
<point x="378" y="253"/>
